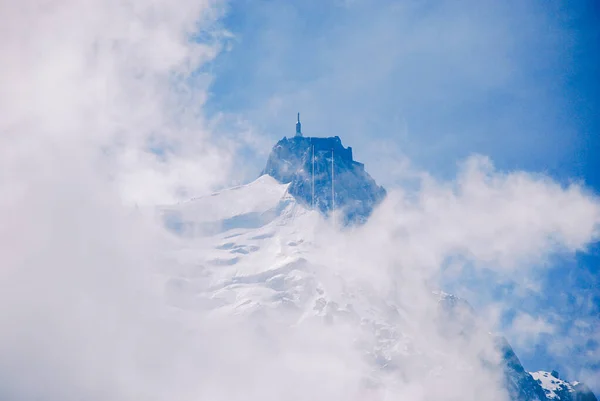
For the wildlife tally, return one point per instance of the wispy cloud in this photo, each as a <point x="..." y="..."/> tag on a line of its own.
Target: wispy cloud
<point x="103" y="105"/>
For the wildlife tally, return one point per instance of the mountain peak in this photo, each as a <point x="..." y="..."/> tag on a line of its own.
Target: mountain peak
<point x="325" y="168"/>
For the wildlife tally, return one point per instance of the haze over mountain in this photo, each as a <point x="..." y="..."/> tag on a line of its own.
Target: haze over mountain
<point x="257" y="250"/>
<point x="133" y="268"/>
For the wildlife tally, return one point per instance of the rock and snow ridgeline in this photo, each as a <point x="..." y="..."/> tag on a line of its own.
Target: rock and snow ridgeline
<point x="559" y="390"/>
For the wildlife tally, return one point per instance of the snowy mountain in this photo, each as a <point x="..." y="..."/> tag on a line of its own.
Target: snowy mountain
<point x="257" y="251"/>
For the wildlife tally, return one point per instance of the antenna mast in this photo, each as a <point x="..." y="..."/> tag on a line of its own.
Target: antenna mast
<point x="332" y="186"/>
<point x="313" y="176"/>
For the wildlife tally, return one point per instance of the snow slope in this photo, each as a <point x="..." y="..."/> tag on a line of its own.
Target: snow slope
<point x="238" y="251"/>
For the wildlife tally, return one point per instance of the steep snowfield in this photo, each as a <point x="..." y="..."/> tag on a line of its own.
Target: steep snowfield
<point x="239" y="250"/>
<point x="252" y="249"/>
<point x="257" y="197"/>
<point x="257" y="251"/>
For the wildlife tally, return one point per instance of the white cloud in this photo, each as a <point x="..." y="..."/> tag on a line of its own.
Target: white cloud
<point x="498" y="220"/>
<point x="526" y="329"/>
<point x="81" y="76"/>
<point x="86" y="88"/>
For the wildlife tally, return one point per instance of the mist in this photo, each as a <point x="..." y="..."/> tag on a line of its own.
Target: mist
<point x="103" y="119"/>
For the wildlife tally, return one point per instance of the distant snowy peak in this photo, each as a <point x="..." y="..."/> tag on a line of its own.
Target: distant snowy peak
<point x="560" y="390"/>
<point x="323" y="173"/>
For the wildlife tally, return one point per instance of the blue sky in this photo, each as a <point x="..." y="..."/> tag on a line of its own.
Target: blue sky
<point x="431" y="82"/>
<point x="515" y="81"/>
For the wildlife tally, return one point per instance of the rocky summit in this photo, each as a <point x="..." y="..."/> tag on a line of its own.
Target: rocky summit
<point x="323" y="175"/>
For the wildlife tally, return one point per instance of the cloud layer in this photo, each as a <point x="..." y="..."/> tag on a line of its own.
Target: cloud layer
<point x="102" y="108"/>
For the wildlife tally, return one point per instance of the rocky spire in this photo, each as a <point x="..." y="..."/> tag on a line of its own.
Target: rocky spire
<point x="356" y="193"/>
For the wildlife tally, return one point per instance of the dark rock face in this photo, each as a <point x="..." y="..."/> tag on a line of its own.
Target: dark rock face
<point x="520" y="384"/>
<point x="354" y="191"/>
